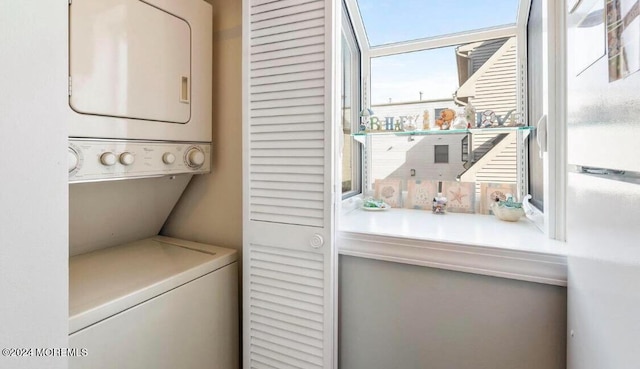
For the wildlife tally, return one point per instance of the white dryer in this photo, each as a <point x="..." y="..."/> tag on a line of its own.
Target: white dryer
<point x="158" y="303"/>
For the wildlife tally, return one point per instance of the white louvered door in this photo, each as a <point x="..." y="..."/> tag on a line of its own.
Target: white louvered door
<point x="288" y="252"/>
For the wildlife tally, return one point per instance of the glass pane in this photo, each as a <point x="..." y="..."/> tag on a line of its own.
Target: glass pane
<point x="421" y="75"/>
<point x="389" y="21"/>
<point x="430" y="90"/>
<point x="347" y="124"/>
<point x="416" y="88"/>
<point x="535" y="96"/>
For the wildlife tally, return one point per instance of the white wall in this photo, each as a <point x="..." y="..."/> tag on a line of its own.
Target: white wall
<point x="395" y="156"/>
<point x="33" y="189"/>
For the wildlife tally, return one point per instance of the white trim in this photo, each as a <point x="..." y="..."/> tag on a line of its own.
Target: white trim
<point x="554" y="106"/>
<point x="472" y="243"/>
<point x="356" y="103"/>
<point x="246" y="174"/>
<point x="559" y="130"/>
<point x="453" y="39"/>
<point x="358" y="26"/>
<point x="503" y="263"/>
<point x="333" y="57"/>
<point x="522" y="107"/>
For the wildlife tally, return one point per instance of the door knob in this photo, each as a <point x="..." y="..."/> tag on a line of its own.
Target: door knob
<point x="316" y="241"/>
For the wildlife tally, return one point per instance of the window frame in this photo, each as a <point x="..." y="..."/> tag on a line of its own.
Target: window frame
<point x="552" y="220"/>
<point x="348" y="33"/>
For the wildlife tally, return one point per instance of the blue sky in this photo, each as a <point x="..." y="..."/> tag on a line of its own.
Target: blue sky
<point x="434" y="72"/>
<point x="389" y="21"/>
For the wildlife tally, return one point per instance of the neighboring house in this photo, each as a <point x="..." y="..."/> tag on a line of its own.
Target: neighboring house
<point x="498" y="165"/>
<point x="487" y="75"/>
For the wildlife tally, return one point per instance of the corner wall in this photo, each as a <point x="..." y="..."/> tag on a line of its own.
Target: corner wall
<point x="210" y="210"/>
<point x="33" y="188"/>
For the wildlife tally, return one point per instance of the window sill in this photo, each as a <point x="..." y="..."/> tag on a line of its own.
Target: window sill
<point x="471" y="243"/>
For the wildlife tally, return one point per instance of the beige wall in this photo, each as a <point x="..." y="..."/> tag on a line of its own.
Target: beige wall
<point x="210" y="210"/>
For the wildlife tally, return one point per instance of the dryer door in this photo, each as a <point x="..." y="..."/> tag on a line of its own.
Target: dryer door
<point x="129" y="59"/>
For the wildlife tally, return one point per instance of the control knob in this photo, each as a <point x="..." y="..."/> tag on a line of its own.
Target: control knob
<point x="127" y="158"/>
<point x="72" y="160"/>
<point x="168" y="158"/>
<point x="108" y="159"/>
<point x="194" y="157"/>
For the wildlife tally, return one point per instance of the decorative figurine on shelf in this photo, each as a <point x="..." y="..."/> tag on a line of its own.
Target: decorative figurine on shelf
<point x="446" y="117"/>
<point x="460" y="122"/>
<point x="488" y="119"/>
<point x="507" y="210"/>
<point x="425" y="120"/>
<point x="439" y="204"/>
<point x="470" y="114"/>
<point x="365" y="117"/>
<point x="513" y="119"/>
<point x="410" y="125"/>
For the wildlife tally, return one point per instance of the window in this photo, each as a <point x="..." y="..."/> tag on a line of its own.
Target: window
<point x="423" y="84"/>
<point x="421" y="80"/>
<point x="350" y="101"/>
<point x="401" y="20"/>
<point x="416" y="76"/>
<point x="441" y="154"/>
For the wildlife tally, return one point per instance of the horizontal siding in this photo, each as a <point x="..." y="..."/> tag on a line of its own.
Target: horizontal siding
<point x="482" y="53"/>
<point x="496" y="88"/>
<point x="502" y="168"/>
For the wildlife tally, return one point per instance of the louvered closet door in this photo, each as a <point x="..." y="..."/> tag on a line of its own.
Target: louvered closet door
<point x="288" y="175"/>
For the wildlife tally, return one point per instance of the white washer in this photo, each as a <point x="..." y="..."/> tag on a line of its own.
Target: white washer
<point x="156" y="303"/>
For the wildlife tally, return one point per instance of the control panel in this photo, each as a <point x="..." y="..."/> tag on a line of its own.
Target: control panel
<point x="93" y="160"/>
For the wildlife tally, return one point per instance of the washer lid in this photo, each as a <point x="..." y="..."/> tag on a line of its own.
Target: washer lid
<point x="108" y="281"/>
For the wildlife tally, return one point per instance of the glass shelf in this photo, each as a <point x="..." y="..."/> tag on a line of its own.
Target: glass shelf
<point x="360" y="136"/>
<point x="446" y="131"/>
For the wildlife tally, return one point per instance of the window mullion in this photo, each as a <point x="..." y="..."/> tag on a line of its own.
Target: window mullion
<point x="443" y="41"/>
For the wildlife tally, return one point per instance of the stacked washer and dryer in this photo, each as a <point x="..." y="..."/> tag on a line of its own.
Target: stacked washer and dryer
<point x="140" y="88"/>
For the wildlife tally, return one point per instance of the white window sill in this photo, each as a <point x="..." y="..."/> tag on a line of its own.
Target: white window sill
<point x="480" y="244"/>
